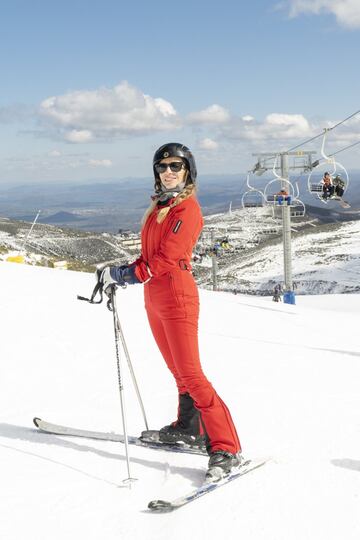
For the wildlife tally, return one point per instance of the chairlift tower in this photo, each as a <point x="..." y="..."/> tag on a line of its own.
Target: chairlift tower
<point x="260" y="168"/>
<point x="289" y="295"/>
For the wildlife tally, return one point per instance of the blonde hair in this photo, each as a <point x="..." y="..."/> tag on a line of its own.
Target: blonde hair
<point x="189" y="190"/>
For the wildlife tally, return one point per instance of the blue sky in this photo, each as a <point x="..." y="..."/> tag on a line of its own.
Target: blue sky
<point x="90" y="89"/>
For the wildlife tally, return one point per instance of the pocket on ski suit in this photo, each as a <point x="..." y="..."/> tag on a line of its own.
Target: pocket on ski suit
<point x="173" y="295"/>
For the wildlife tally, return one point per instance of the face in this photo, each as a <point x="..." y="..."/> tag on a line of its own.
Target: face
<point x="169" y="178"/>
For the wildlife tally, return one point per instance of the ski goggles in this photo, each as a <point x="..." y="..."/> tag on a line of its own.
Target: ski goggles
<point x="175" y="166"/>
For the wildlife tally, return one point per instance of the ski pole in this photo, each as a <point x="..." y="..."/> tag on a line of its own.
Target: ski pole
<point x="127" y="356"/>
<point x="98" y="291"/>
<point x="121" y="387"/>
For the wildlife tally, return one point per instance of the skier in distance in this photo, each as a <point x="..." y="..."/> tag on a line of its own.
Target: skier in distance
<point x="170" y="229"/>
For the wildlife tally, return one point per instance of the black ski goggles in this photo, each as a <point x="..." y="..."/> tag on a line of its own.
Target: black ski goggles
<point x="175" y="166"/>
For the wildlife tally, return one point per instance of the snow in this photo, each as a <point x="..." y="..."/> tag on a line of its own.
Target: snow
<point x="289" y="374"/>
<point x="323" y="262"/>
<point x="325" y="258"/>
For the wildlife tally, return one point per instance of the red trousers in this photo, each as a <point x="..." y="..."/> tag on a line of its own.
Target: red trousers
<point x="172" y="305"/>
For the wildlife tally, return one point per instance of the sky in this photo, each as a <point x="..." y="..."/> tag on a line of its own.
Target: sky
<point x="89" y="90"/>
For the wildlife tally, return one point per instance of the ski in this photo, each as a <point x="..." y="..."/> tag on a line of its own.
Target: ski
<point x="340" y="200"/>
<point x="152" y="443"/>
<point x="344" y="204"/>
<point x="161" y="506"/>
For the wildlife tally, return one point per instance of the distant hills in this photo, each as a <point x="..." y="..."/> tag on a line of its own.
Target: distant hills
<point x="60" y="218"/>
<point x="120" y="204"/>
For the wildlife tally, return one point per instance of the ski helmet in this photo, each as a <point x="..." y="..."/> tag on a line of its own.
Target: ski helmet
<point x="175" y="150"/>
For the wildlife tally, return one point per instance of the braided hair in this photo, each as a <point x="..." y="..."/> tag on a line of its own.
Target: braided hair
<point x="187" y="192"/>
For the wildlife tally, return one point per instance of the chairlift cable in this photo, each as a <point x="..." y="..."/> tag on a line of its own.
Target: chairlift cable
<point x="343" y="121"/>
<point x="322" y="133"/>
<point x="305" y="142"/>
<point x="343" y="149"/>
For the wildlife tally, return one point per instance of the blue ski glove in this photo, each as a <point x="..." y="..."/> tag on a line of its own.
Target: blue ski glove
<point x="116" y="275"/>
<point x="124" y="274"/>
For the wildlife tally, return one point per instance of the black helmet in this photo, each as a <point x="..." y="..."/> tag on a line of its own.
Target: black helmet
<point x="176" y="150"/>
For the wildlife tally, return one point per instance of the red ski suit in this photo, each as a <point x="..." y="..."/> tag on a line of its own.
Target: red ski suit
<point x="172" y="305"/>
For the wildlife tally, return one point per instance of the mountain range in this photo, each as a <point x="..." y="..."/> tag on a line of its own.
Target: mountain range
<point x="120" y="204"/>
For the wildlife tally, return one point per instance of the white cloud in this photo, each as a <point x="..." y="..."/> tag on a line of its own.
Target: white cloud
<point x="78" y="136"/>
<point x="278" y="132"/>
<point x="83" y="116"/>
<point x="208" y="144"/>
<point x="290" y="125"/>
<point x="215" y="114"/>
<point x="54" y="153"/>
<point x="100" y="162"/>
<point x="276" y="126"/>
<point x="89" y="116"/>
<point x="347" y="12"/>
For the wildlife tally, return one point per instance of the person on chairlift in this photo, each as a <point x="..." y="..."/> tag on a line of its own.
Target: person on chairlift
<point x="283" y="196"/>
<point x="339" y="185"/>
<point x="328" y="186"/>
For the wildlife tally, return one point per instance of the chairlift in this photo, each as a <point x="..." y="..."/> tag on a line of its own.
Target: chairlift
<point x="273" y="198"/>
<point x="252" y="198"/>
<point x="337" y="172"/>
<point x="297" y="209"/>
<point x="270" y="231"/>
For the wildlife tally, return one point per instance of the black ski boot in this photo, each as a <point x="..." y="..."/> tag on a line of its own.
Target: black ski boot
<point x="186" y="429"/>
<point x="221" y="464"/>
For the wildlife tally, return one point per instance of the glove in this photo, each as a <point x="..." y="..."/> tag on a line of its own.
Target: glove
<point x="124" y="274"/>
<point x="116" y="275"/>
<point x="106" y="280"/>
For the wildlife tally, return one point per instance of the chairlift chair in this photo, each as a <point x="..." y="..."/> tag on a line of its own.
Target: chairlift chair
<point x="252" y="198"/>
<point x="327" y="164"/>
<point x="273" y="198"/>
<point x="297" y="209"/>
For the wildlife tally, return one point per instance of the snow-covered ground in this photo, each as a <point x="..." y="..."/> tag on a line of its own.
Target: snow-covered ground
<point x="290" y="375"/>
<point x="322" y="262"/>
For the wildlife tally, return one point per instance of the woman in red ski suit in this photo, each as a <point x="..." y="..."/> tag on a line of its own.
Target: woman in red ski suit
<point x="170" y="231"/>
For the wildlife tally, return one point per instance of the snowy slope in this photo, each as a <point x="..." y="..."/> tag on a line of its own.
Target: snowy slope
<point x="324" y="260"/>
<point x="291" y="382"/>
<point x="49" y="242"/>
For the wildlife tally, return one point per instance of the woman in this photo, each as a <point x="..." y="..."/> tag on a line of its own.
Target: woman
<point x="328" y="187"/>
<point x="171" y="227"/>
